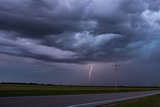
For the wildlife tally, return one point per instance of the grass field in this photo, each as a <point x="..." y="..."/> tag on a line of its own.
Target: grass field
<point x="150" y="101"/>
<point x="38" y="90"/>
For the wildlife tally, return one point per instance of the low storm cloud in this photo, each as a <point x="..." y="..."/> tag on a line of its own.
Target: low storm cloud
<point x="80" y="31"/>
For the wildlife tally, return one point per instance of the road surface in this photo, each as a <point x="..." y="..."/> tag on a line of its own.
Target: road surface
<point x="86" y="100"/>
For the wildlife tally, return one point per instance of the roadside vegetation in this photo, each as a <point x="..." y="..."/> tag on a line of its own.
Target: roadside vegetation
<point x="31" y="89"/>
<point x="150" y="101"/>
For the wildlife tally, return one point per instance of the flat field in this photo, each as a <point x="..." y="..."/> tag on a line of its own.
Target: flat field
<point x="150" y="101"/>
<point x="42" y="90"/>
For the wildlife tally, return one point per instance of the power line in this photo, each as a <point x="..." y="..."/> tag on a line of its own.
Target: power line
<point x="116" y="68"/>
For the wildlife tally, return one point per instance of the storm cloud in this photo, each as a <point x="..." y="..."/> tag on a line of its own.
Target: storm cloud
<point x="78" y="31"/>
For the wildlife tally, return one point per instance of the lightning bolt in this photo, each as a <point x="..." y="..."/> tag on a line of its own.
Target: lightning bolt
<point x="90" y="72"/>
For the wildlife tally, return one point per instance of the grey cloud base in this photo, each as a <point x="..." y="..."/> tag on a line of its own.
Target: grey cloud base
<point x="78" y="31"/>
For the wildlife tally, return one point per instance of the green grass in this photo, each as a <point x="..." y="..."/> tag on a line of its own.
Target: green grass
<point x="150" y="101"/>
<point x="38" y="90"/>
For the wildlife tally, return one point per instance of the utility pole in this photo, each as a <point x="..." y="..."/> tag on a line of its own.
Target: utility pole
<point x="116" y="69"/>
<point x="147" y="84"/>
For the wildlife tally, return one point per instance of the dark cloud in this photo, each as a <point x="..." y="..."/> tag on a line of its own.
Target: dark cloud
<point x="39" y="18"/>
<point x="77" y="31"/>
<point x="54" y="41"/>
<point x="154" y="6"/>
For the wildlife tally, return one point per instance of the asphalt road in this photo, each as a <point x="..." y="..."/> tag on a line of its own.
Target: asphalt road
<point x="87" y="100"/>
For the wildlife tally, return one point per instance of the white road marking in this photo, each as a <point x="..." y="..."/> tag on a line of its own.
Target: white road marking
<point x="114" y="100"/>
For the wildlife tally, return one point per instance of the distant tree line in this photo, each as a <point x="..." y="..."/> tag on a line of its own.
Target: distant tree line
<point x="23" y="83"/>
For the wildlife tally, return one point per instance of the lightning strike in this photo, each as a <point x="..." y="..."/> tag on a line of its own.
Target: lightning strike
<point x="90" y="72"/>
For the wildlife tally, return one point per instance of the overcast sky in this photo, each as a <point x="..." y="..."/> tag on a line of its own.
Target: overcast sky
<point x="57" y="41"/>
